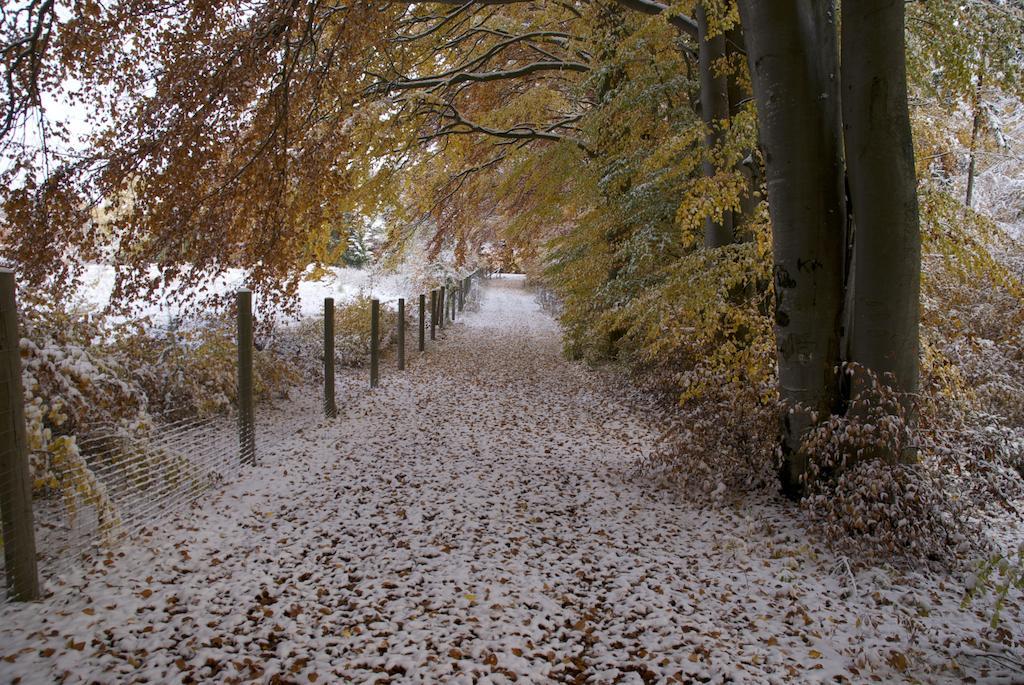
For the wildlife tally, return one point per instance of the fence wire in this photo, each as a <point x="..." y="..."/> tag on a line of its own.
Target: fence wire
<point x="119" y="480"/>
<point x="109" y="483"/>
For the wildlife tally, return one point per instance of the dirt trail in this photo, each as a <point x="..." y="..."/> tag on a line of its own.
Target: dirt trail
<point x="475" y="519"/>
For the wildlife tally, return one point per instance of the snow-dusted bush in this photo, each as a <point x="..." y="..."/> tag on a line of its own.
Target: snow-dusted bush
<point x="702" y="338"/>
<point x="968" y="433"/>
<point x="874" y="488"/>
<point x="999" y="575"/>
<point x="722" y="442"/>
<point x="696" y="343"/>
<point x="86" y="376"/>
<point x="303" y="343"/>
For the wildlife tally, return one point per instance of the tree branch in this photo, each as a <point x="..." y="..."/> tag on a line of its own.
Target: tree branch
<point x="680" y="21"/>
<point x="429" y="82"/>
<point x="460" y="125"/>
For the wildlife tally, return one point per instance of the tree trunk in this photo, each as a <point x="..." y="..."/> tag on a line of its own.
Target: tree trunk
<point x="714" y="110"/>
<point x="748" y="167"/>
<point x="791" y="49"/>
<point x="975" y="131"/>
<point x="883" y="193"/>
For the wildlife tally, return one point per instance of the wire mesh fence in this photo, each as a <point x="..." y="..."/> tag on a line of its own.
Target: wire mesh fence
<point x="105" y="483"/>
<point x="120" y="479"/>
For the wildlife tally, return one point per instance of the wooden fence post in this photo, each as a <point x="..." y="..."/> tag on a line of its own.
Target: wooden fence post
<point x="423" y="306"/>
<point x="433" y="314"/>
<point x="401" y="334"/>
<point x="330" y="407"/>
<point x="246" y="415"/>
<point x="19" y="531"/>
<point x="374" y="342"/>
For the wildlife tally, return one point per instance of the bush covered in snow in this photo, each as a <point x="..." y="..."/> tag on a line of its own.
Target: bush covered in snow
<point x="304" y="344"/>
<point x="722" y="442"/>
<point x="705" y="344"/>
<point x="874" y="486"/>
<point x="85" y="375"/>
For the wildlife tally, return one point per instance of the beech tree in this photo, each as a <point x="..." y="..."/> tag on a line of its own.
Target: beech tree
<point x="843" y="200"/>
<point x="223" y="134"/>
<point x="842" y="193"/>
<point x="616" y="137"/>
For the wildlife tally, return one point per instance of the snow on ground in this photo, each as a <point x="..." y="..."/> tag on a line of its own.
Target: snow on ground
<point x="340" y="283"/>
<point x="476" y="519"/>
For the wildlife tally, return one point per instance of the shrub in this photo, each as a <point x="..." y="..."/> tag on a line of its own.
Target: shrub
<point x="86" y="376"/>
<point x="303" y="344"/>
<point x="998" y="575"/>
<point x="723" y="442"/>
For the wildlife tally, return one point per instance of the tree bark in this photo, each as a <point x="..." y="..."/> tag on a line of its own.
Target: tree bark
<point x="791" y="49"/>
<point x="714" y="110"/>
<point x="975" y="131"/>
<point x="883" y="194"/>
<point x="748" y="167"/>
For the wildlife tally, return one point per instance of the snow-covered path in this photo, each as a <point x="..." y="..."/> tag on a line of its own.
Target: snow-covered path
<point x="476" y="519"/>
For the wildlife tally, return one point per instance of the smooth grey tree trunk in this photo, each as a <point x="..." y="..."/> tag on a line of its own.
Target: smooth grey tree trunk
<point x="714" y="110"/>
<point x="883" y="193"/>
<point x="791" y="50"/>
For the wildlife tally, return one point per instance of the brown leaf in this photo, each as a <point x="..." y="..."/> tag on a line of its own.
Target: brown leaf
<point x="897" y="660"/>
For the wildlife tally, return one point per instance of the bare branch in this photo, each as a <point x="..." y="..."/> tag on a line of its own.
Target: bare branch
<point x="460" y="125"/>
<point x="681" y="22"/>
<point x="428" y="82"/>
